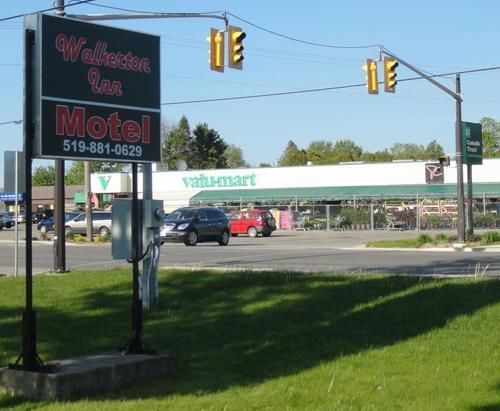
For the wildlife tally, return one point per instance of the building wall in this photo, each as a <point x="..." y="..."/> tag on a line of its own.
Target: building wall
<point x="175" y="188"/>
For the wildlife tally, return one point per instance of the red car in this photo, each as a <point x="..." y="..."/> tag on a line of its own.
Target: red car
<point x="252" y="222"/>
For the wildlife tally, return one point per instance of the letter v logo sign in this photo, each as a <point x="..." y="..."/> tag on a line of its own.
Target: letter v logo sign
<point x="104" y="181"/>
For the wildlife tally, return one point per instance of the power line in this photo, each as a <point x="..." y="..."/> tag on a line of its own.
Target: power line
<point x="45" y="10"/>
<point x="11" y="122"/>
<point x="311" y="43"/>
<point x="315" y="90"/>
<point x="274" y="33"/>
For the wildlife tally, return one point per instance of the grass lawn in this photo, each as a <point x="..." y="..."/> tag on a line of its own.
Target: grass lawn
<point x="269" y="341"/>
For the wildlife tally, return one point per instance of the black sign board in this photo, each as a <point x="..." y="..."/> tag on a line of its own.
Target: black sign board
<point x="98" y="93"/>
<point x="434" y="173"/>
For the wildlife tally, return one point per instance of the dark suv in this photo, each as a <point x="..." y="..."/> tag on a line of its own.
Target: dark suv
<point x="192" y="225"/>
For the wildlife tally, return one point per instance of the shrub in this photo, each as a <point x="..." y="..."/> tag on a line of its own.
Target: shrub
<point x="490" y="237"/>
<point x="441" y="238"/>
<point x="423" y="239"/>
<point x="102" y="239"/>
<point x="77" y="238"/>
<point x="453" y="238"/>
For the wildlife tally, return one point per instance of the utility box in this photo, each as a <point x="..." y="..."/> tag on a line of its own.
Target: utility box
<point x="150" y="217"/>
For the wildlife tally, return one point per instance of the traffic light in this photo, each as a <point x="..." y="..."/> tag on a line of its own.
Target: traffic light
<point x="444" y="160"/>
<point x="390" y="74"/>
<point x="371" y="76"/>
<point x="236" y="36"/>
<point x="216" y="52"/>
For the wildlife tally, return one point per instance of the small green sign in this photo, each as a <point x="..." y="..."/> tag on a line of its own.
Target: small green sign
<point x="472" y="143"/>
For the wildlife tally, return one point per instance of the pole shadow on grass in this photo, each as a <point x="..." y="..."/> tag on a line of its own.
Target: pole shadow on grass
<point x="226" y="333"/>
<point x="230" y="329"/>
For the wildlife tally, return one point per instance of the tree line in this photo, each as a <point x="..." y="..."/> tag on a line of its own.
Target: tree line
<point x="204" y="148"/>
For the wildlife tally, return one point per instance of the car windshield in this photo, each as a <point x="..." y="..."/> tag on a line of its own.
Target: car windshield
<point x="181" y="214"/>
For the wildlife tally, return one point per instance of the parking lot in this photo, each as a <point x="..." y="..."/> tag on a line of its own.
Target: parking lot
<point x="310" y="251"/>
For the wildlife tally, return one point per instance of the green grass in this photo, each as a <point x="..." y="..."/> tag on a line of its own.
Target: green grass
<point x="253" y="341"/>
<point x="440" y="240"/>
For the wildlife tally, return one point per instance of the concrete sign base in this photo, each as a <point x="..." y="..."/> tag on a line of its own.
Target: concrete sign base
<point x="83" y="376"/>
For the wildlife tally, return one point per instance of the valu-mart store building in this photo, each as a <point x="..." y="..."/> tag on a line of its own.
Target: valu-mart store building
<point x="421" y="185"/>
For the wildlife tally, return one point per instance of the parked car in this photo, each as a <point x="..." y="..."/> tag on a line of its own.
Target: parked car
<point x="47" y="224"/>
<point x="21" y="218"/>
<point x="192" y="225"/>
<point x="252" y="222"/>
<point x="40" y="215"/>
<point x="7" y="219"/>
<point x="101" y="223"/>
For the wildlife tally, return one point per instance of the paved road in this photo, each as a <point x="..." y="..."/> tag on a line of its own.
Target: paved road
<point x="340" y="252"/>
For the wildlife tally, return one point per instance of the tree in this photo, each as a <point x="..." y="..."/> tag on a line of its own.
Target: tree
<point x="320" y="152"/>
<point x="434" y="150"/>
<point x="177" y="143"/>
<point x="44" y="176"/>
<point x="377" y="156"/>
<point x="346" y="150"/>
<point x="265" y="165"/>
<point x="408" y="151"/>
<point x="207" y="149"/>
<point x="234" y="157"/>
<point x="491" y="137"/>
<point x="292" y="156"/>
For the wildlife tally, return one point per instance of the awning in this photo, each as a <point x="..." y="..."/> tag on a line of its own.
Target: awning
<point x="346" y="193"/>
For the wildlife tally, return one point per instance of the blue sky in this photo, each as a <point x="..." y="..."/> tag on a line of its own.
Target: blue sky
<point x="438" y="37"/>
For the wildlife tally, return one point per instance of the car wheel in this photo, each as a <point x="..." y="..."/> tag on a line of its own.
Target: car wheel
<point x="252" y="232"/>
<point x="104" y="231"/>
<point x="43" y="229"/>
<point x="191" y="238"/>
<point x="224" y="238"/>
<point x="68" y="231"/>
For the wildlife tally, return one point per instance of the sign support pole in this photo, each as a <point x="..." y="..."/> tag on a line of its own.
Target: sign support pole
<point x="30" y="359"/>
<point x="470" y="214"/>
<point x="135" y="344"/>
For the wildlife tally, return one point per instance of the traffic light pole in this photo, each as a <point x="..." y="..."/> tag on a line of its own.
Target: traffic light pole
<point x="458" y="138"/>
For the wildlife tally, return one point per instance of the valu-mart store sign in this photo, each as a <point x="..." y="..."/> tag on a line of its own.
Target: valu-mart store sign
<point x="96" y="91"/>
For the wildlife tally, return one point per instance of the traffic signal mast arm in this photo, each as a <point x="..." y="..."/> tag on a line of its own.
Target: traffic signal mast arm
<point x="136" y="16"/>
<point x="456" y="96"/>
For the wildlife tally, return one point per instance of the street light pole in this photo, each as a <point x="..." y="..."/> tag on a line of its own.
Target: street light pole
<point x="459" y="163"/>
<point x="458" y="137"/>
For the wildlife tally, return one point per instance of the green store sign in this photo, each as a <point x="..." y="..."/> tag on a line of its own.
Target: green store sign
<point x="472" y="143"/>
<point x="207" y="181"/>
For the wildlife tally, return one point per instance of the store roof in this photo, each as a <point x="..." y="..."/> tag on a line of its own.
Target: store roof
<point x="346" y="193"/>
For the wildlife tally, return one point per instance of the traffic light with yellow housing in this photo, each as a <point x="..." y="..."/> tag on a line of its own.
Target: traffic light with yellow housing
<point x="236" y="36"/>
<point x="371" y="76"/>
<point x="390" y="75"/>
<point x="444" y="160"/>
<point x="216" y="52"/>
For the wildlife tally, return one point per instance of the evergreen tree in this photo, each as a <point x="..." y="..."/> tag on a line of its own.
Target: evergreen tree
<point x="177" y="144"/>
<point x="207" y="148"/>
